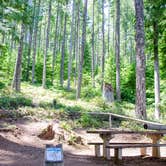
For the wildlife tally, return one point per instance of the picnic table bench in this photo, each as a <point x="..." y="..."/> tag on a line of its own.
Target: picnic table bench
<point x="107" y="135"/>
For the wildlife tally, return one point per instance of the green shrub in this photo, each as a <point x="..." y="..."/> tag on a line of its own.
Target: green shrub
<point x="131" y="125"/>
<point x="66" y="126"/>
<point x="73" y="112"/>
<point x="2" y="85"/>
<point x="45" y="105"/>
<point x="87" y="121"/>
<point x="14" y="102"/>
<point x="89" y="92"/>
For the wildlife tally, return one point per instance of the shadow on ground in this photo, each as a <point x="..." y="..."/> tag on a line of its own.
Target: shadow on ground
<point x="15" y="154"/>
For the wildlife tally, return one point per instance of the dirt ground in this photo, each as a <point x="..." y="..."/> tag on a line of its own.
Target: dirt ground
<point x="23" y="148"/>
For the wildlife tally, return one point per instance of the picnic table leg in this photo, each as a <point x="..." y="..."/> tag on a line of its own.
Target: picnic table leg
<point x="106" y="139"/>
<point x="118" y="154"/>
<point x="155" y="140"/>
<point x="143" y="151"/>
<point x="110" y="121"/>
<point x="97" y="151"/>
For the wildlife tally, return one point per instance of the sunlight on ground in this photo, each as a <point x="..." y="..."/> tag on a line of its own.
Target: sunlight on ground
<point x="38" y="94"/>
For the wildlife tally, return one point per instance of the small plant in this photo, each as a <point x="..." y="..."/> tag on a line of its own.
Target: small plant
<point x="54" y="102"/>
<point x="131" y="125"/>
<point x="45" y="104"/>
<point x="14" y="102"/>
<point x="90" y="93"/>
<point x="66" y="126"/>
<point x="73" y="139"/>
<point x="87" y="121"/>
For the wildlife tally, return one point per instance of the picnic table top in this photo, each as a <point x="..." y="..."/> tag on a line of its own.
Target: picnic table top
<point x="115" y="131"/>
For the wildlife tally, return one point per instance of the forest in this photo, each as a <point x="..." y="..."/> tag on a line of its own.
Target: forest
<point x="78" y="46"/>
<point x="63" y="59"/>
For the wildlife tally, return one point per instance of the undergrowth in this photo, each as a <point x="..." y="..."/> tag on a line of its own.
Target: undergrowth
<point x="59" y="103"/>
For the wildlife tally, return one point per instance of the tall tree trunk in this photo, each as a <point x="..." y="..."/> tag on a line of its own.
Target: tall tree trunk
<point x="71" y="47"/>
<point x="156" y="70"/>
<point x="103" y="47"/>
<point x="125" y="42"/>
<point x="140" y="61"/>
<point x="39" y="38"/>
<point x="131" y="51"/>
<point x="16" y="85"/>
<point x="113" y="31"/>
<point x="77" y="55"/>
<point x="98" y="34"/>
<point x="29" y="53"/>
<point x="55" y="43"/>
<point x="30" y="39"/>
<point x="60" y="32"/>
<point x="117" y="50"/>
<point x="93" y="48"/>
<point x="63" y="53"/>
<point x="35" y="42"/>
<point x="108" y="39"/>
<point x="125" y="33"/>
<point x="46" y="48"/>
<point x="78" y="93"/>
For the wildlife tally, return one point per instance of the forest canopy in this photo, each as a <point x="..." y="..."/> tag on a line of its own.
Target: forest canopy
<point x="81" y="44"/>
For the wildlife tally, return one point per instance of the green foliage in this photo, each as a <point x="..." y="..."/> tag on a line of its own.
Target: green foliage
<point x="57" y="66"/>
<point x="12" y="12"/>
<point x="162" y="52"/>
<point x="128" y="83"/>
<point x="88" y="121"/>
<point x="86" y="80"/>
<point x="163" y="99"/>
<point x="14" y="102"/>
<point x="89" y="92"/>
<point x="87" y="58"/>
<point x="66" y="126"/>
<point x="73" y="112"/>
<point x="45" y="105"/>
<point x="2" y="85"/>
<point x="110" y="69"/>
<point x="6" y="65"/>
<point x="39" y="69"/>
<point x="131" y="125"/>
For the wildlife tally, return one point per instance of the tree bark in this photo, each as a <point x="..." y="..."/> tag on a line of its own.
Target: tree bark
<point x="140" y="61"/>
<point x="55" y="43"/>
<point x="117" y="50"/>
<point x="93" y="49"/>
<point x="109" y="6"/>
<point x="78" y="92"/>
<point x="16" y="85"/>
<point x="30" y="39"/>
<point x="35" y="42"/>
<point x="71" y="47"/>
<point x="98" y="38"/>
<point x="103" y="47"/>
<point x="156" y="71"/>
<point x="46" y="48"/>
<point x="63" y="53"/>
<point x="29" y="53"/>
<point x="77" y="54"/>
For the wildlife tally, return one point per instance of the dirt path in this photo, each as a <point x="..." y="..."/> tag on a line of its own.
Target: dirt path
<point x="24" y="148"/>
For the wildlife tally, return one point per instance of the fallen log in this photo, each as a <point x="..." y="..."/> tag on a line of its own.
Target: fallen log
<point x="117" y="116"/>
<point x="154" y="126"/>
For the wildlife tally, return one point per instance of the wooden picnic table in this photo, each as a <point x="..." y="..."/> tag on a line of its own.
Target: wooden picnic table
<point x="107" y="135"/>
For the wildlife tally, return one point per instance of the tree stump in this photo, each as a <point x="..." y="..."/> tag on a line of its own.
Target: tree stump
<point x="108" y="93"/>
<point x="48" y="133"/>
